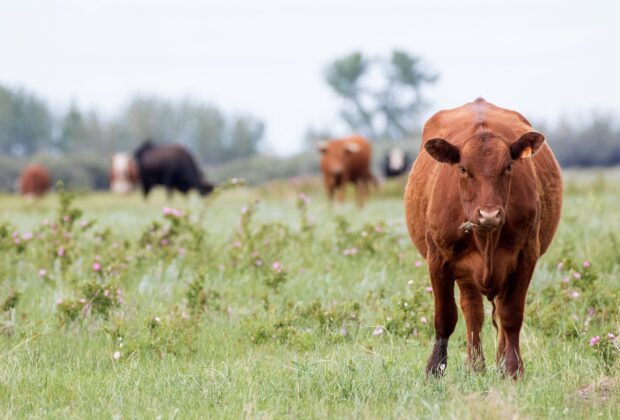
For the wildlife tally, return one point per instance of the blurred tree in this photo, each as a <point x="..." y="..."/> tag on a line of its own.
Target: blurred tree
<point x="382" y="98"/>
<point x="25" y="123"/>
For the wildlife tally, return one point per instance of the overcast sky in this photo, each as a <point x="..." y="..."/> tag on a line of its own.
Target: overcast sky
<point x="267" y="57"/>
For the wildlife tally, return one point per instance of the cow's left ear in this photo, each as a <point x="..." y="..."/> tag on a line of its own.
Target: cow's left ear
<point x="352" y="148"/>
<point x="527" y="145"/>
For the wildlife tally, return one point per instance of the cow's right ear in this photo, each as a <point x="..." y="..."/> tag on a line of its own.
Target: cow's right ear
<point x="321" y="146"/>
<point x="442" y="151"/>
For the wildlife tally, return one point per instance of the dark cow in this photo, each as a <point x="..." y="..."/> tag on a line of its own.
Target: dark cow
<point x="344" y="161"/>
<point x="171" y="166"/>
<point x="396" y="162"/>
<point x="483" y="202"/>
<point x="34" y="181"/>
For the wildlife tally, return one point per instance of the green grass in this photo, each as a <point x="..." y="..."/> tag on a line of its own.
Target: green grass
<point x="207" y="332"/>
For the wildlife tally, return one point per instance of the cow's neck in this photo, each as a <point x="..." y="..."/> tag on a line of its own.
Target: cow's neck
<point x="487" y="244"/>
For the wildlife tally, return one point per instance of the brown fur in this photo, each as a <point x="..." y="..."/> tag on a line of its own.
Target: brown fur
<point x="34" y="180"/>
<point x="471" y="162"/>
<point x="344" y="161"/>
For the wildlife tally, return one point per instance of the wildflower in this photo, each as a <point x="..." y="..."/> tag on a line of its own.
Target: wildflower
<point x="574" y="294"/>
<point x="66" y="219"/>
<point x="157" y="320"/>
<point x="577" y="275"/>
<point x="164" y="242"/>
<point x="378" y="331"/>
<point x="82" y="300"/>
<point x="16" y="240"/>
<point x="304" y="198"/>
<point x="378" y="229"/>
<point x="167" y="211"/>
<point x="182" y="251"/>
<point x="423" y="320"/>
<point x="410" y="282"/>
<point x="277" y="267"/>
<point x="586" y="264"/>
<point x="119" y="296"/>
<point x="418" y="263"/>
<point x="343" y="332"/>
<point x="106" y="293"/>
<point x="27" y="236"/>
<point x="258" y="262"/>
<point x="594" y="340"/>
<point x="429" y="289"/>
<point x="244" y="210"/>
<point x="611" y="336"/>
<point x="59" y="301"/>
<point x="565" y="279"/>
<point x="116" y="355"/>
<point x="83" y="223"/>
<point x="42" y="272"/>
<point x="350" y="251"/>
<point x="560" y="266"/>
<point x="237" y="244"/>
<point x="61" y="251"/>
<point x="96" y="266"/>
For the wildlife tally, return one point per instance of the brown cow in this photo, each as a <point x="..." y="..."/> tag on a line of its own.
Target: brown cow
<point x="34" y="180"/>
<point x="482" y="203"/>
<point x="346" y="160"/>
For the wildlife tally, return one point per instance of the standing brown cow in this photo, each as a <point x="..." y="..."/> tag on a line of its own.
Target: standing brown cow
<point x="34" y="180"/>
<point x="346" y="160"/>
<point x="483" y="202"/>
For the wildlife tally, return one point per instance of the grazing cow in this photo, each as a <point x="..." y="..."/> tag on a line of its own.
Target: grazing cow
<point x="343" y="161"/>
<point x="34" y="181"/>
<point x="396" y="162"/>
<point x="123" y="173"/>
<point x="482" y="203"/>
<point x="171" y="166"/>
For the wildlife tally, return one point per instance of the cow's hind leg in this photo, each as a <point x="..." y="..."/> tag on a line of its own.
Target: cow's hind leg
<point x="473" y="311"/>
<point x="446" y="314"/>
<point x="361" y="190"/>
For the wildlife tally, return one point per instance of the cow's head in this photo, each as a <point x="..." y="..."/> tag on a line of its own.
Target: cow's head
<point x="334" y="158"/>
<point x="484" y="164"/>
<point x="205" y="188"/>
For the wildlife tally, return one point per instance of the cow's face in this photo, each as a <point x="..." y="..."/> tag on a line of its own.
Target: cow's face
<point x="334" y="158"/>
<point x="484" y="164"/>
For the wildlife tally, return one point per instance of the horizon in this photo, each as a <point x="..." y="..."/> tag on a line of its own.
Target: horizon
<point x="268" y="60"/>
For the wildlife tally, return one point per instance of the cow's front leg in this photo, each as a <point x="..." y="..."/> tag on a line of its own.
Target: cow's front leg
<point x="473" y="311"/>
<point x="446" y="314"/>
<point x="510" y="308"/>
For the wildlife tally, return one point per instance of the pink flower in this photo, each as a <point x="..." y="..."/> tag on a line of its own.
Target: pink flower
<point x="378" y="331"/>
<point x="277" y="267"/>
<point x="167" y="211"/>
<point x="577" y="275"/>
<point x="611" y="336"/>
<point x="17" y="241"/>
<point x="27" y="236"/>
<point x="97" y="257"/>
<point x="42" y="272"/>
<point x="66" y="218"/>
<point x="244" y="210"/>
<point x="343" y="332"/>
<point x="116" y="355"/>
<point x="106" y="293"/>
<point x="59" y="301"/>
<point x="182" y="251"/>
<point x="350" y="251"/>
<point x="423" y="320"/>
<point x="429" y="289"/>
<point x="565" y="279"/>
<point x="574" y="294"/>
<point x="258" y="262"/>
<point x="303" y="197"/>
<point x="164" y="242"/>
<point x="594" y="340"/>
<point x="61" y="251"/>
<point x="586" y="264"/>
<point x="418" y="263"/>
<point x="560" y="266"/>
<point x="96" y="266"/>
<point x="237" y="244"/>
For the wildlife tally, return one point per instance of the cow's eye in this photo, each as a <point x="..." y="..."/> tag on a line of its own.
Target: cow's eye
<point x="508" y="169"/>
<point x="462" y="171"/>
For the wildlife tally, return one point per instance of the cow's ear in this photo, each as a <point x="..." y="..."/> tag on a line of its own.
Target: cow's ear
<point x="352" y="148"/>
<point x="321" y="146"/>
<point x="527" y="145"/>
<point x="442" y="151"/>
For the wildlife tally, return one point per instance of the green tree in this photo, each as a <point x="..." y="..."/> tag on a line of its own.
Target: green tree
<point x="382" y="98"/>
<point x="25" y="123"/>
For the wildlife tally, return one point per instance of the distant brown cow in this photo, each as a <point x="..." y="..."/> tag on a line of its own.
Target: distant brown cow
<point x="483" y="202"/>
<point x="34" y="180"/>
<point x="346" y="160"/>
<point x="124" y="175"/>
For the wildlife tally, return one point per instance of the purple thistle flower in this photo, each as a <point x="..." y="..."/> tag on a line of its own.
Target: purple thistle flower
<point x="594" y="340"/>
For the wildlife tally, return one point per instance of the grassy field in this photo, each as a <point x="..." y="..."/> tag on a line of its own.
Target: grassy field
<point x="116" y="307"/>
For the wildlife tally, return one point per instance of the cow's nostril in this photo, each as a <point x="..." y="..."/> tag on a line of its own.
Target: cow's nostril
<point x="489" y="214"/>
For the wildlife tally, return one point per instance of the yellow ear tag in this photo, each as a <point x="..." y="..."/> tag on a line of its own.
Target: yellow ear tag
<point x="526" y="153"/>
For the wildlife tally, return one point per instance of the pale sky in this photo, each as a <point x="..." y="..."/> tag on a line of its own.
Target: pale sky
<point x="267" y="57"/>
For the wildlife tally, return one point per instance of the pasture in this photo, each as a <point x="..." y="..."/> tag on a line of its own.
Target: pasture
<point x="261" y="302"/>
